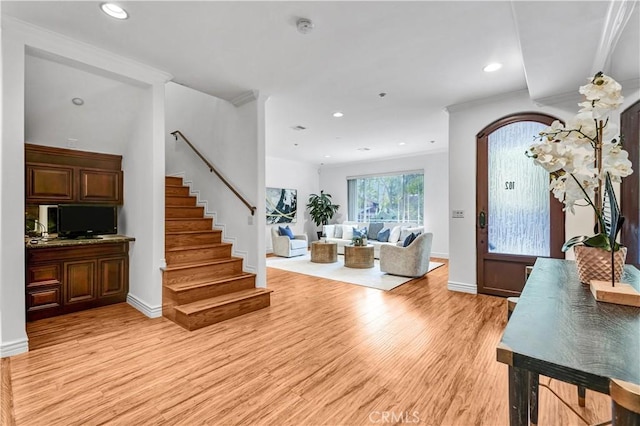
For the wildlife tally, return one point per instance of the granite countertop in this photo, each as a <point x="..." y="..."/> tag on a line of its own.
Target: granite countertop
<point x="55" y="242"/>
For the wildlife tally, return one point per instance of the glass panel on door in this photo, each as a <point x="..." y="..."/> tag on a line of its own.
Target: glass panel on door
<point x="518" y="208"/>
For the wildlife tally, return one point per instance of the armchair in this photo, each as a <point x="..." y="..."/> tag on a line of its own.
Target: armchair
<point x="286" y="247"/>
<point x="411" y="261"/>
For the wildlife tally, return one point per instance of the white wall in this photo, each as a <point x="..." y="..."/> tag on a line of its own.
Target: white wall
<point x="12" y="296"/>
<point x="465" y="121"/>
<point x="142" y="215"/>
<point x="221" y="131"/>
<point x="302" y="177"/>
<point x="333" y="180"/>
<point x="16" y="39"/>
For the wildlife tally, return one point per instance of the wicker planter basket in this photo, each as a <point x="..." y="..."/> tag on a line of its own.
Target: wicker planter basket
<point x="595" y="263"/>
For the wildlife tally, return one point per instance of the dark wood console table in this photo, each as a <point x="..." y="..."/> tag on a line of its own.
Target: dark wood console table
<point x="559" y="330"/>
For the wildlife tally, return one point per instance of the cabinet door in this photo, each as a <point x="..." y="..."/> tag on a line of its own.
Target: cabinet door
<point x="113" y="277"/>
<point x="79" y="281"/>
<point x="49" y="183"/>
<point x="100" y="186"/>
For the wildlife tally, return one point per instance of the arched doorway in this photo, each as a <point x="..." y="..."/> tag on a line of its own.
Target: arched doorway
<point x="517" y="217"/>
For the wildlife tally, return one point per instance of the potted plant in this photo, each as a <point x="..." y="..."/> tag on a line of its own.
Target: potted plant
<point x="584" y="156"/>
<point x="321" y="209"/>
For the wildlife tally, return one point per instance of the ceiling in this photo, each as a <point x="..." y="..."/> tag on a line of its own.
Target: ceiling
<point x="425" y="56"/>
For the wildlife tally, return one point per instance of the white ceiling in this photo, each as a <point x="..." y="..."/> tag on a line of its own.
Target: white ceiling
<point x="424" y="55"/>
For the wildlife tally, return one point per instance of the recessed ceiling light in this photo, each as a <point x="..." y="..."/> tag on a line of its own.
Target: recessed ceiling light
<point x="364" y="148"/>
<point x="432" y="141"/>
<point x="77" y="101"/>
<point x="295" y="144"/>
<point x="338" y="114"/>
<point x="402" y="143"/>
<point x="492" y="67"/>
<point x="114" y="11"/>
<point x="327" y="156"/>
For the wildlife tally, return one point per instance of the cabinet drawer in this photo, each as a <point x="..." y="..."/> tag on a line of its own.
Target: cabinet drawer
<point x="39" y="255"/>
<point x="43" y="275"/>
<point x="44" y="298"/>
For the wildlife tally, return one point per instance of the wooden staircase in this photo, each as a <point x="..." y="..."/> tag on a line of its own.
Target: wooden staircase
<point x="203" y="283"/>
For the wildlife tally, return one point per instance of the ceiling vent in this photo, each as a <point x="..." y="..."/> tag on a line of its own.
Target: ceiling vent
<point x="299" y="128"/>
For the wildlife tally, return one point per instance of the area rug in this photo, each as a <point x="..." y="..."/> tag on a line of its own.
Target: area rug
<point x="371" y="277"/>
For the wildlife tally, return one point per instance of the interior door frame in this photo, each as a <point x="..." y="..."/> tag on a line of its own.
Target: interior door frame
<point x="630" y="129"/>
<point x="557" y="226"/>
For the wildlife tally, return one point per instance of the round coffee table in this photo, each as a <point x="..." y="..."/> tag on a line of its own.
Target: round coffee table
<point x="323" y="252"/>
<point x="358" y="256"/>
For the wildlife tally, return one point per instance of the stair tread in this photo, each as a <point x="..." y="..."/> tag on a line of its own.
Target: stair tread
<point x="188" y="218"/>
<point x="213" y="302"/>
<point x="184" y="207"/>
<point x="198" y="247"/>
<point x="199" y="264"/>
<point x="203" y="283"/>
<point x="202" y="231"/>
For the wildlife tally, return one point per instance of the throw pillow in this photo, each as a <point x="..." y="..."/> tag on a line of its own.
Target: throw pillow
<point x="406" y="230"/>
<point x="286" y="231"/>
<point x="347" y="232"/>
<point x="395" y="234"/>
<point x="383" y="236"/>
<point x="409" y="240"/>
<point x="374" y="228"/>
<point x="328" y="230"/>
<point x="337" y="232"/>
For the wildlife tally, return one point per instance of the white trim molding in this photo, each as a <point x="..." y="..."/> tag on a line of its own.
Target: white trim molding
<point x="462" y="287"/>
<point x="15" y="347"/>
<point x="440" y="255"/>
<point x="142" y="306"/>
<point x="245" y="98"/>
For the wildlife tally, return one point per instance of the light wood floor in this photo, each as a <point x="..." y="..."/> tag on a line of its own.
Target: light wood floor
<point x="324" y="353"/>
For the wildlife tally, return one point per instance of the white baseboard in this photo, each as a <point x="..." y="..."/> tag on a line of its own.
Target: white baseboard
<point x="150" y="311"/>
<point x="14" y="348"/>
<point x="462" y="287"/>
<point x="440" y="255"/>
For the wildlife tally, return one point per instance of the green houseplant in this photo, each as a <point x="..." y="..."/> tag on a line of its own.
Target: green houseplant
<point x="321" y="209"/>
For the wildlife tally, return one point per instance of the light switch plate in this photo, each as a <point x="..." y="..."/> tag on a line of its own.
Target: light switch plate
<point x="457" y="214"/>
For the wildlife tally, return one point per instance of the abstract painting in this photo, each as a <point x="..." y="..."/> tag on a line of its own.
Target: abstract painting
<point x="282" y="205"/>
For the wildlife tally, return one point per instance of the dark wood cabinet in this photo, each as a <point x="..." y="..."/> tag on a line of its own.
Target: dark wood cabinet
<point x="76" y="275"/>
<point x="48" y="183"/>
<point x="102" y="186"/>
<point x="57" y="175"/>
<point x="79" y="281"/>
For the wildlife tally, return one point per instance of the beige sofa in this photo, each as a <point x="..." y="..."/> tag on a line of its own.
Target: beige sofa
<point x="344" y="235"/>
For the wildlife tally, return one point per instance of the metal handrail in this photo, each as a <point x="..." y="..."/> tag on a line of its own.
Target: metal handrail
<point x="213" y="170"/>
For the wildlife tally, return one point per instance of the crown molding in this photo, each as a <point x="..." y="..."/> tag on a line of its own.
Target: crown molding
<point x="618" y="16"/>
<point x="488" y="100"/>
<point x="245" y="98"/>
<point x="74" y="50"/>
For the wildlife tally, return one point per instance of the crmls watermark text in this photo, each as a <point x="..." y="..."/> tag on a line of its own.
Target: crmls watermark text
<point x="394" y="417"/>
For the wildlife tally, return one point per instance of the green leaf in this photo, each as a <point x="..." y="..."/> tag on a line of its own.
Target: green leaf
<point x="598" y="240"/>
<point x="575" y="241"/>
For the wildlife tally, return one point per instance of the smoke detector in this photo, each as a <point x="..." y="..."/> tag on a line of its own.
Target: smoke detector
<point x="304" y="25"/>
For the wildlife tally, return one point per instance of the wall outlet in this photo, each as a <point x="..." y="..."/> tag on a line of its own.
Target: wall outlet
<point x="457" y="214"/>
<point x="72" y="142"/>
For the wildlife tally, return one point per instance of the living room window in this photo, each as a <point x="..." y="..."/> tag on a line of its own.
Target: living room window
<point x="387" y="198"/>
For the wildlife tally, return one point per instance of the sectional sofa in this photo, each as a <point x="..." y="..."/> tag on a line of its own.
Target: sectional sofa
<point x="342" y="233"/>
